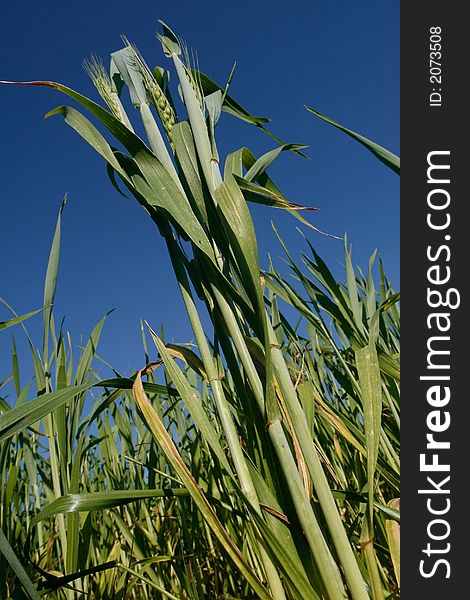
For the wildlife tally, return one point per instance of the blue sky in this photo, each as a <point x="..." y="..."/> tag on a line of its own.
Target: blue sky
<point x="340" y="57"/>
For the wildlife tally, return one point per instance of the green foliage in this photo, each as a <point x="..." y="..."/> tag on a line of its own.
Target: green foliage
<point x="263" y="462"/>
<point x="388" y="158"/>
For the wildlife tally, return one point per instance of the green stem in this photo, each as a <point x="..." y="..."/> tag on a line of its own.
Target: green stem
<point x="49" y="428"/>
<point x="231" y="434"/>
<point x="327" y="567"/>
<point x="320" y="482"/>
<point x="329" y="571"/>
<point x="389" y="451"/>
<point x="371" y="561"/>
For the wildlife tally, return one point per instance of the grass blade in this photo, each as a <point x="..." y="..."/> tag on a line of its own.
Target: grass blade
<point x="167" y="445"/>
<point x="16" y="320"/>
<point x="25" y="415"/>
<point x="18" y="569"/>
<point x="50" y="283"/>
<point x="388" y="158"/>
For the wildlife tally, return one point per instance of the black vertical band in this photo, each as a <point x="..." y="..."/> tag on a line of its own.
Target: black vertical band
<point x="435" y="260"/>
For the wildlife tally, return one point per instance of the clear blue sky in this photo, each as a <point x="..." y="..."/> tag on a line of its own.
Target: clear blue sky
<point x="340" y="57"/>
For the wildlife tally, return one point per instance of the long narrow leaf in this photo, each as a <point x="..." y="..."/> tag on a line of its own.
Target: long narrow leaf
<point x="167" y="445"/>
<point x="16" y="320"/>
<point x="25" y="415"/>
<point x="17" y="568"/>
<point x="388" y="158"/>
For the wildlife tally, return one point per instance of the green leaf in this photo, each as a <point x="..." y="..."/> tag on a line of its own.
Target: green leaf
<point x="25" y="415"/>
<point x="261" y="195"/>
<point x="83" y="367"/>
<point x="50" y="283"/>
<point x="392" y="528"/>
<point x="192" y="400"/>
<point x="241" y="234"/>
<point x="155" y="181"/>
<point x="15" y="368"/>
<point x="91" y="501"/>
<point x="265" y="161"/>
<point x="278" y="538"/>
<point x="388" y="158"/>
<point x="286" y="560"/>
<point x="231" y="106"/>
<point x="168" y="447"/>
<point x="169" y="40"/>
<point x="187" y="157"/>
<point x="90" y="134"/>
<point x="123" y="65"/>
<point x="371" y="386"/>
<point x="16" y="320"/>
<point x="17" y="568"/>
<point x="356" y="306"/>
<point x="124" y="383"/>
<point x="266" y="192"/>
